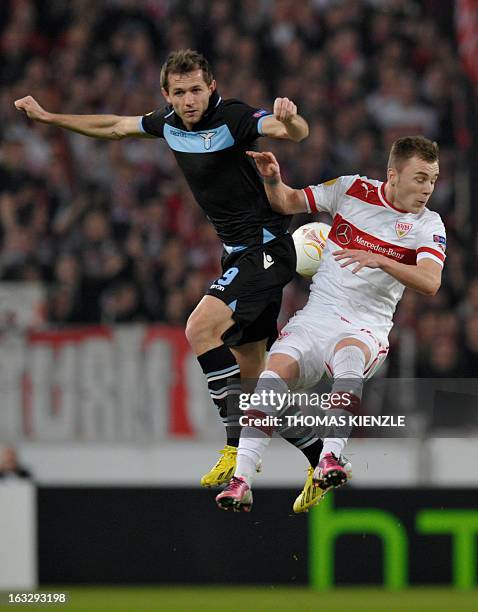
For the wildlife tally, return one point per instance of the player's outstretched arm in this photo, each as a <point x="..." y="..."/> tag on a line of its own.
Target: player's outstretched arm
<point x="113" y="127"/>
<point x="285" y="123"/>
<point x="283" y="199"/>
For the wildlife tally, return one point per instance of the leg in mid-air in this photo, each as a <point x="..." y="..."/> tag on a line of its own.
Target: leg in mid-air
<point x="250" y="358"/>
<point x="348" y="365"/>
<point x="255" y="437"/>
<point x="252" y="361"/>
<point x="204" y="331"/>
<point x="228" y="370"/>
<point x="232" y="327"/>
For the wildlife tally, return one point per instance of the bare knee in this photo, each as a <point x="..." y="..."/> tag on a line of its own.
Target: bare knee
<point x="284" y="366"/>
<point x="204" y="329"/>
<point x="199" y="328"/>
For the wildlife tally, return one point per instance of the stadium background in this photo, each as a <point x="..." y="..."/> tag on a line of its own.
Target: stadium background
<point x="104" y="253"/>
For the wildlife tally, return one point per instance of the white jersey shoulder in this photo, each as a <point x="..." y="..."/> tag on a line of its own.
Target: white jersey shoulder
<point x="326" y="196"/>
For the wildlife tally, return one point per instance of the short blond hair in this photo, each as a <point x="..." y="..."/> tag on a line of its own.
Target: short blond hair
<point x="407" y="147"/>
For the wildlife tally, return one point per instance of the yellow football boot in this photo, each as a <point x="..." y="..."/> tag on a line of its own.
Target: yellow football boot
<point x="223" y="470"/>
<point x="309" y="496"/>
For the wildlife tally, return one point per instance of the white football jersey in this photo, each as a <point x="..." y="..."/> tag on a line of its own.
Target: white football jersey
<point x="364" y="219"/>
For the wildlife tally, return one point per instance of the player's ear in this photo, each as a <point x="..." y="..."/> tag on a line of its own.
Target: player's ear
<point x="212" y="86"/>
<point x="166" y="95"/>
<point x="391" y="175"/>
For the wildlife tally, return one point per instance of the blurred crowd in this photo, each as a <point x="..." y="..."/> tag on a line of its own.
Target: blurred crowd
<point x="111" y="228"/>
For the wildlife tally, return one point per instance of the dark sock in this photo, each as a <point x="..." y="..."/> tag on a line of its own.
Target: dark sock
<point x="223" y="380"/>
<point x="313" y="451"/>
<point x="304" y="438"/>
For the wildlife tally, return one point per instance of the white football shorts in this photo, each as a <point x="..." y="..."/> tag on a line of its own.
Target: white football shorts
<point x="310" y="338"/>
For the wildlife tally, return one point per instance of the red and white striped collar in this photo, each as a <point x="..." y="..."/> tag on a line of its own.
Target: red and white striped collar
<point x="386" y="203"/>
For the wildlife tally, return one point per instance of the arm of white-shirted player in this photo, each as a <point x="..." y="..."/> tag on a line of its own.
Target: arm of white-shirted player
<point x="424" y="277"/>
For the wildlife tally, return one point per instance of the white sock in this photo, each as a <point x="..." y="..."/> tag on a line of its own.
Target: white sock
<point x="248" y="457"/>
<point x="333" y="445"/>
<point x="348" y="366"/>
<point x="253" y="442"/>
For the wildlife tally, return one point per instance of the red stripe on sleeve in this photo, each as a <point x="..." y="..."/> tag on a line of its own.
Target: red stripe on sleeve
<point x="440" y="256"/>
<point x="311" y="200"/>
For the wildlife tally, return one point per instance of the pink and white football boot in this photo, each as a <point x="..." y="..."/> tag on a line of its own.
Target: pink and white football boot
<point x="237" y="496"/>
<point x="330" y="472"/>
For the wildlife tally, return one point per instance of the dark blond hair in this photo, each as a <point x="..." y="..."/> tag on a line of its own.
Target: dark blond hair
<point x="182" y="62"/>
<point x="407" y="147"/>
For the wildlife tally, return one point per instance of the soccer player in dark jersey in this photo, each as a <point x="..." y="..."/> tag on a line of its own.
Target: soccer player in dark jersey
<point x="236" y="321"/>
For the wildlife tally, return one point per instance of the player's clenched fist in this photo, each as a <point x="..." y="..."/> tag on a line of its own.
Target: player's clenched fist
<point x="266" y="163"/>
<point x="30" y="106"/>
<point x="284" y="109"/>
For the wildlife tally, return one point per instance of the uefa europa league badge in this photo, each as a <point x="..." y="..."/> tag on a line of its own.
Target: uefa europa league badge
<point x="402" y="228"/>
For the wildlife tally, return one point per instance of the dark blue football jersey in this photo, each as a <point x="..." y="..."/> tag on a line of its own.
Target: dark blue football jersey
<point x="223" y="179"/>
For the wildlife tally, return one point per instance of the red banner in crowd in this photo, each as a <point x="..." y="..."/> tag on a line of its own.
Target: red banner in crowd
<point x="100" y="384"/>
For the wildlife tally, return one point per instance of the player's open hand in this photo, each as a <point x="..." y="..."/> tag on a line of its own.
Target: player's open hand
<point x="284" y="110"/>
<point x="363" y="259"/>
<point x="31" y="108"/>
<point x="266" y="163"/>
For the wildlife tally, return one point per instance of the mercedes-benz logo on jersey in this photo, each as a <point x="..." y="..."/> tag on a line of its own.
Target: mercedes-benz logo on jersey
<point x="207" y="136"/>
<point x="343" y="234"/>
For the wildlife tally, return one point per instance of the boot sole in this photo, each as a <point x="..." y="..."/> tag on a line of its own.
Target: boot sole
<point x="333" y="478"/>
<point x="229" y="503"/>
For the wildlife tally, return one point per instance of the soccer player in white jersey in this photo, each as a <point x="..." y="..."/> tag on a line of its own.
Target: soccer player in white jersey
<point x="383" y="239"/>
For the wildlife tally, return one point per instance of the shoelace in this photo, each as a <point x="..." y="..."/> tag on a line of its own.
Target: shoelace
<point x="330" y="461"/>
<point x="223" y="454"/>
<point x="235" y="484"/>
